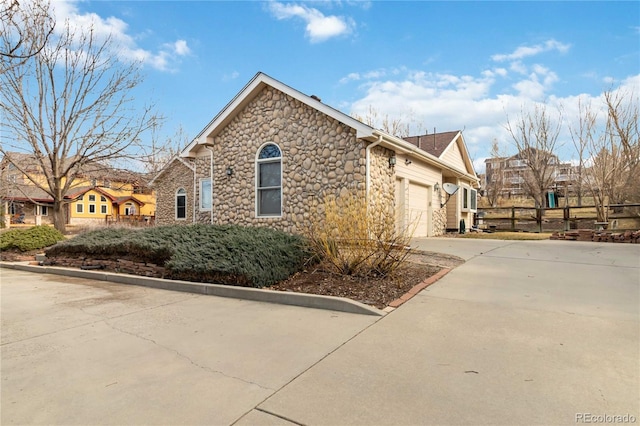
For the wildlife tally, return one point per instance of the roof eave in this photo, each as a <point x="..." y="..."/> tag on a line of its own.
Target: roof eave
<point x="404" y="147"/>
<point x="247" y="94"/>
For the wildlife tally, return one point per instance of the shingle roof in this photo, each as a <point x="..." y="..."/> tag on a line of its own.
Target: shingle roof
<point x="435" y="143"/>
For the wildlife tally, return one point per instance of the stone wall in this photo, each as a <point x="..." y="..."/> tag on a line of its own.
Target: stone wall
<point x="176" y="176"/>
<point x="113" y="265"/>
<point x="439" y="221"/>
<point x="319" y="155"/>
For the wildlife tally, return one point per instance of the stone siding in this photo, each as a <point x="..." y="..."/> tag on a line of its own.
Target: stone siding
<point x="176" y="176"/>
<point x="319" y="155"/>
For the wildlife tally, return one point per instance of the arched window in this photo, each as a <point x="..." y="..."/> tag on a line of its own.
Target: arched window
<point x="269" y="181"/>
<point x="181" y="204"/>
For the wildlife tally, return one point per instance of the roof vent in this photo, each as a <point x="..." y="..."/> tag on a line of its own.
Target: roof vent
<point x="316" y="98"/>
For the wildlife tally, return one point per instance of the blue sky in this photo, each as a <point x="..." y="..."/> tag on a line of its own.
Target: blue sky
<point x="444" y="65"/>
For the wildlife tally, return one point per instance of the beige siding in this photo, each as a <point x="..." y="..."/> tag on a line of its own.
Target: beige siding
<point x="419" y="179"/>
<point x="453" y="156"/>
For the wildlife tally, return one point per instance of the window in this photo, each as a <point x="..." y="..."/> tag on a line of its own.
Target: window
<point x="40" y="210"/>
<point x="92" y="198"/>
<point x="92" y="208"/>
<point x="269" y="181"/>
<point x="181" y="204"/>
<point x="205" y="194"/>
<point x="103" y="209"/>
<point x="129" y="209"/>
<point x="103" y="199"/>
<point x="79" y="208"/>
<point x="469" y="199"/>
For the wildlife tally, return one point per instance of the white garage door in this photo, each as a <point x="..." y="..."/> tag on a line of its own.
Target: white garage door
<point x="418" y="209"/>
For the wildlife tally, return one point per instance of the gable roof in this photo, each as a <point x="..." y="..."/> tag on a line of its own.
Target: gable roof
<point x="74" y="193"/>
<point x="363" y="131"/>
<point x="167" y="167"/>
<point x="434" y="143"/>
<point x="251" y="90"/>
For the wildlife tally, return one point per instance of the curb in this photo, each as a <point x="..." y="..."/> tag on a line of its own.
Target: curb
<point x="419" y="287"/>
<point x="331" y="303"/>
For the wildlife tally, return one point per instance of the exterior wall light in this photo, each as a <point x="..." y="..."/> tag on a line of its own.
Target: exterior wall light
<point x="392" y="161"/>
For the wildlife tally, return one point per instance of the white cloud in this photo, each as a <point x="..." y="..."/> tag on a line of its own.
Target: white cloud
<point x="474" y="103"/>
<point x="319" y="27"/>
<point x="526" y="51"/>
<point x="165" y="58"/>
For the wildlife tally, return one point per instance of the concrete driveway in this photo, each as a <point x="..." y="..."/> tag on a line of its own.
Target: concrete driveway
<point x="77" y="351"/>
<point x="541" y="332"/>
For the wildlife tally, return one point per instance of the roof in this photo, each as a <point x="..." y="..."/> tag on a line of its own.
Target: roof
<point x="27" y="193"/>
<point x="122" y="200"/>
<point x="74" y="193"/>
<point x="435" y="143"/>
<point x="251" y="90"/>
<point x="363" y="131"/>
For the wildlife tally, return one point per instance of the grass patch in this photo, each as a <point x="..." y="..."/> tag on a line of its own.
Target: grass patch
<point x="522" y="236"/>
<point x="224" y="254"/>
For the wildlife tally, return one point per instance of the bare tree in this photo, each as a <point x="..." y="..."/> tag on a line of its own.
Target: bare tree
<point x="582" y="138"/>
<point x="614" y="152"/>
<point x="623" y="132"/>
<point x="394" y="126"/>
<point x="535" y="135"/>
<point x="25" y="29"/>
<point x="159" y="152"/>
<point x="495" y="176"/>
<point x="71" y="107"/>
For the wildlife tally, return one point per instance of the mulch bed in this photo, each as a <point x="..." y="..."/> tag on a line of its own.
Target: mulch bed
<point x="373" y="291"/>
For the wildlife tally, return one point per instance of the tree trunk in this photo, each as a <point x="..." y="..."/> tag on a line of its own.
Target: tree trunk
<point x="59" y="219"/>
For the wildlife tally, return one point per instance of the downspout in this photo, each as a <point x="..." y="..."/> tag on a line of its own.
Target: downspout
<point x="368" y="166"/>
<point x="210" y="149"/>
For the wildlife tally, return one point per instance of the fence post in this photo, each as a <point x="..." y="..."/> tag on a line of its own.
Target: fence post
<point x="513" y="219"/>
<point x="567" y="215"/>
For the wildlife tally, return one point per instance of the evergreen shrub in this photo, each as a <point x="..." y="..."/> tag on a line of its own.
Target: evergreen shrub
<point x="224" y="254"/>
<point x="34" y="238"/>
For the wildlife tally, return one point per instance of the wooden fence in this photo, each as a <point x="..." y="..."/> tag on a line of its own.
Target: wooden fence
<point x="531" y="219"/>
<point x="131" y="219"/>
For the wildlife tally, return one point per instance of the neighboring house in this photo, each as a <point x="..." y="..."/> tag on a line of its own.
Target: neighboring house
<point x="507" y="177"/>
<point x="271" y="154"/>
<point x="97" y="196"/>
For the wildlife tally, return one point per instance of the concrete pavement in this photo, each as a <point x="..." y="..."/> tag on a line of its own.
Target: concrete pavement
<point x="78" y="351"/>
<point x="540" y="332"/>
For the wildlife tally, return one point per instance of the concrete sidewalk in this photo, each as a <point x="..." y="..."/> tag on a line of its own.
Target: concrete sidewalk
<point x="540" y="332"/>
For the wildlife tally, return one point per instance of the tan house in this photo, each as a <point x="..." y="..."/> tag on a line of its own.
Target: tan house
<point x="269" y="155"/>
<point x="97" y="196"/>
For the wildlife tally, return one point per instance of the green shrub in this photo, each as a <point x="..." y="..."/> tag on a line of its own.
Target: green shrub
<point x="225" y="254"/>
<point x="34" y="238"/>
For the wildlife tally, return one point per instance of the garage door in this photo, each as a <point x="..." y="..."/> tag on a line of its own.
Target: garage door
<point x="418" y="209"/>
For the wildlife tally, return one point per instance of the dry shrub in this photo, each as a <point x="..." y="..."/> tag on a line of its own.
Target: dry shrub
<point x="356" y="239"/>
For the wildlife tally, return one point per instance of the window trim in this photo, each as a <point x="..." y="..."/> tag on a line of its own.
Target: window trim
<point x="79" y="208"/>
<point x="258" y="163"/>
<point x="92" y="207"/>
<point x="469" y="204"/>
<point x="104" y="209"/>
<point x="202" y="207"/>
<point x="180" y="192"/>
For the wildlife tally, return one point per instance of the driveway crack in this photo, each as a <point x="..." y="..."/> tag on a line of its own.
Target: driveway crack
<point x="191" y="361"/>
